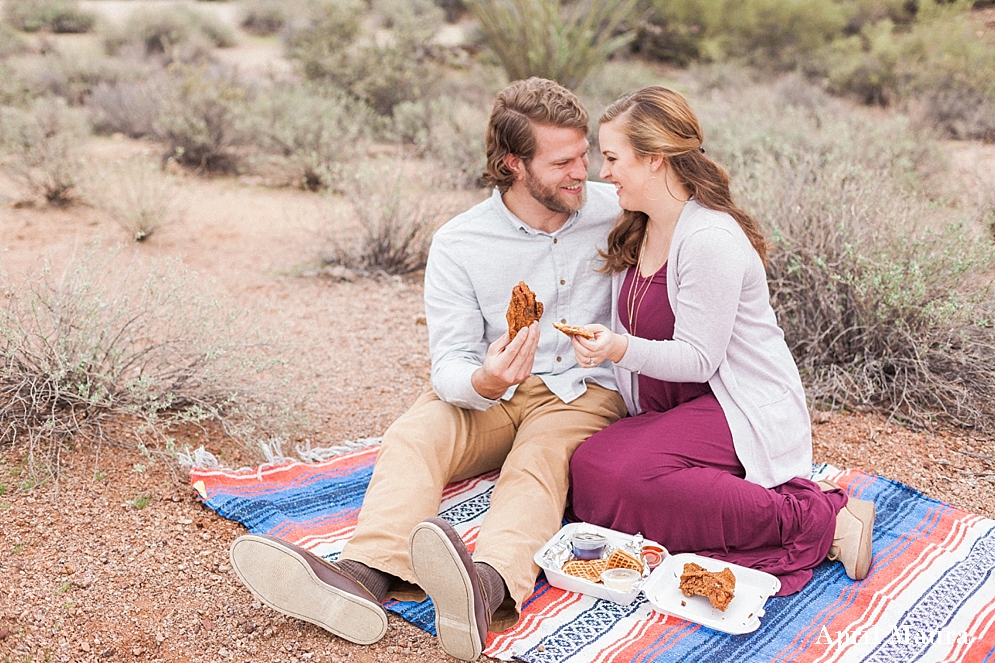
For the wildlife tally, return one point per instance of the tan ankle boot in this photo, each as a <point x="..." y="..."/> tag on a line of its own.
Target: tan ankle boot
<point x="853" y="537"/>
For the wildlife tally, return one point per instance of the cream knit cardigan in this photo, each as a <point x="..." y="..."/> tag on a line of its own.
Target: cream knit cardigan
<point x="726" y="335"/>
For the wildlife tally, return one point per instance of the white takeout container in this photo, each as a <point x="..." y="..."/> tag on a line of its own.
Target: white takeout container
<point x="753" y="588"/>
<point x="558" y="578"/>
<point x="662" y="586"/>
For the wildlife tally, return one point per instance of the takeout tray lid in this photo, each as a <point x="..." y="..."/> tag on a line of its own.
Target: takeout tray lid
<point x="557" y="578"/>
<point x="753" y="588"/>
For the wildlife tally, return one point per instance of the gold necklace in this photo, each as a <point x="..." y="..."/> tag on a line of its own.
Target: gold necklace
<point x="637" y="291"/>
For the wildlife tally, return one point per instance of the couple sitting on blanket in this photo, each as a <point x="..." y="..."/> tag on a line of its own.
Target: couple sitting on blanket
<point x="669" y="275"/>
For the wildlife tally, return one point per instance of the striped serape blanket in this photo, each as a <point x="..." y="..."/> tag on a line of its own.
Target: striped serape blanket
<point x="930" y="595"/>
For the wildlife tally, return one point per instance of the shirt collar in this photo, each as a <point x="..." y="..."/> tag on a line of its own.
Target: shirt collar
<point x="518" y="224"/>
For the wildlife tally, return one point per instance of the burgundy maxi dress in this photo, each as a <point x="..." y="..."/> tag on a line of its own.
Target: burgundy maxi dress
<point x="671" y="473"/>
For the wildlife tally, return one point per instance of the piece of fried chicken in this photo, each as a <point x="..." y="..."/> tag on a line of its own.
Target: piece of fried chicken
<point x="718" y="587"/>
<point x="523" y="309"/>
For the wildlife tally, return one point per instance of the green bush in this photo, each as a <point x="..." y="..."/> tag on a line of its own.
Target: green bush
<point x="561" y="42"/>
<point x="263" y="17"/>
<point x="941" y="69"/>
<point x="314" y="128"/>
<point x="883" y="293"/>
<point x="43" y="147"/>
<point x="178" y="33"/>
<point x="203" y="118"/>
<point x="60" y="16"/>
<point x="331" y="47"/>
<point x="776" y="34"/>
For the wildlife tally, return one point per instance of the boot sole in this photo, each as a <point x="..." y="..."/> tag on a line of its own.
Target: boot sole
<point x="441" y="573"/>
<point x="865" y="511"/>
<point x="284" y="581"/>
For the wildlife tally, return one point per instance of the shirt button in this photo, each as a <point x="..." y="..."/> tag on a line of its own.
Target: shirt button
<point x="562" y="282"/>
<point x="563" y="321"/>
<point x="554" y="240"/>
<point x="559" y="359"/>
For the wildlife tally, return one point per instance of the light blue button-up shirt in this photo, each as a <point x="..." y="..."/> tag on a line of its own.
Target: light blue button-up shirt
<point x="475" y="261"/>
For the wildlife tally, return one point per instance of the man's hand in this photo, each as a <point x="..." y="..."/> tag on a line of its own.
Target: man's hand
<point x="507" y="363"/>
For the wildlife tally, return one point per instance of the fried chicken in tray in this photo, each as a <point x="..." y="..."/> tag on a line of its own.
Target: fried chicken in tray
<point x="717" y="587"/>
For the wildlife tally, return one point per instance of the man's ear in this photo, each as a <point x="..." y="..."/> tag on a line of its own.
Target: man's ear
<point x="515" y="165"/>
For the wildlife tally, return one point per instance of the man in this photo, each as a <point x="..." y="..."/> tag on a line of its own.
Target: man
<point x="521" y="405"/>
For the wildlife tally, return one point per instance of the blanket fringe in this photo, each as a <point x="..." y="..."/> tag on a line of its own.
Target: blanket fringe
<point x="272" y="450"/>
<point x="319" y="454"/>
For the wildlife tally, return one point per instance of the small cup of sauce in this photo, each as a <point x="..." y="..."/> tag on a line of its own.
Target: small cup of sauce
<point x="653" y="555"/>
<point x="620" y="580"/>
<point x="587" y="545"/>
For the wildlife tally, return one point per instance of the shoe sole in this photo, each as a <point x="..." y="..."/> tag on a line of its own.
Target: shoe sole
<point x="439" y="571"/>
<point x="284" y="581"/>
<point x="864" y="511"/>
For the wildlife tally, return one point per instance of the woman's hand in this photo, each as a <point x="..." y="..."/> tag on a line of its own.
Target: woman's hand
<point x="605" y="346"/>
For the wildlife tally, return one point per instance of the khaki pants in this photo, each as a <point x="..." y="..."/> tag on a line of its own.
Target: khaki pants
<point x="530" y="438"/>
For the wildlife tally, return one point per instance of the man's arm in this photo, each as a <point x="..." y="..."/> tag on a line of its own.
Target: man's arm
<point x="466" y="371"/>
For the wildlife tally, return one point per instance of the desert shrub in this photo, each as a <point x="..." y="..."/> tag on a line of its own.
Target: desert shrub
<point x="315" y="128"/>
<point x="112" y="341"/>
<point x="884" y="295"/>
<point x="388" y="230"/>
<point x="777" y="34"/>
<point x="203" y="118"/>
<point x="450" y="131"/>
<point x="941" y="70"/>
<point x="263" y="17"/>
<point x="136" y="193"/>
<point x="562" y="42"/>
<point x="382" y="72"/>
<point x="130" y="107"/>
<point x="452" y="8"/>
<point x="73" y="76"/>
<point x="43" y="146"/>
<point x="11" y="42"/>
<point x="15" y="89"/>
<point x="61" y="16"/>
<point x="178" y="33"/>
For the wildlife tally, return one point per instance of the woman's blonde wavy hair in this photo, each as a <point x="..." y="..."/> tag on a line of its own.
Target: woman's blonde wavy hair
<point x="659" y="121"/>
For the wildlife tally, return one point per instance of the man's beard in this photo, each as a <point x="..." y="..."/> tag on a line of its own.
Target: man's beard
<point x="549" y="196"/>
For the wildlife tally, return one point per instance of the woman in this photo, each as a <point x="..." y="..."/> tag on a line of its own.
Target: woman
<point x="715" y="459"/>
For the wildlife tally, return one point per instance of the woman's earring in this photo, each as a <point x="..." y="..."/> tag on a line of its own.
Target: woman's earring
<point x="650" y="198"/>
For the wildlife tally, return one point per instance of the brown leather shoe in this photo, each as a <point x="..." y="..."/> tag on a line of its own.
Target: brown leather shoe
<point x="445" y="571"/>
<point x="298" y="583"/>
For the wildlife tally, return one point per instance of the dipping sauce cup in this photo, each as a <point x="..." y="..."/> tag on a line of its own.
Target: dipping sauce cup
<point x="620" y="580"/>
<point x="588" y="545"/>
<point x="652" y="555"/>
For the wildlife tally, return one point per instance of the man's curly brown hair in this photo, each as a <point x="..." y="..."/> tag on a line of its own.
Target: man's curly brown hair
<point x="517" y="109"/>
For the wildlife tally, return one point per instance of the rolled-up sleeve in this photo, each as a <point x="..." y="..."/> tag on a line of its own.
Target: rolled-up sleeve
<point x="455" y="328"/>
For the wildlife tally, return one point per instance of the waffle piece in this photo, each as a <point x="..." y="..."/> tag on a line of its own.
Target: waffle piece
<point x="716" y="587"/>
<point x="588" y="569"/>
<point x="581" y="568"/>
<point x="623" y="560"/>
<point x="573" y="330"/>
<point x="523" y="309"/>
